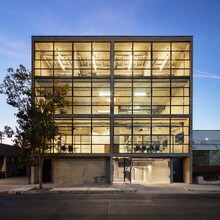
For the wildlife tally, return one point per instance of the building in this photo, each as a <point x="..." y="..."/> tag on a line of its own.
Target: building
<point x="8" y="161"/>
<point x="206" y="154"/>
<point x="130" y="112"/>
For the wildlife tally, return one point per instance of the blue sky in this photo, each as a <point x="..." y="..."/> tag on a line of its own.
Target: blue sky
<point x="20" y="19"/>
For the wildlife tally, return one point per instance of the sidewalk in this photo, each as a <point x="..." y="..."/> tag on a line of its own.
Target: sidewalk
<point x="14" y="184"/>
<point x="19" y="185"/>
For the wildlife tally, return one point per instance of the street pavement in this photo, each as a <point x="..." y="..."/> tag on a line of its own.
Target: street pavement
<point x="19" y="200"/>
<point x="104" y="206"/>
<point x="19" y="185"/>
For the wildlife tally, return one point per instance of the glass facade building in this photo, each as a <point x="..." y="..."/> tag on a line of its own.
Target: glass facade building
<point x="129" y="103"/>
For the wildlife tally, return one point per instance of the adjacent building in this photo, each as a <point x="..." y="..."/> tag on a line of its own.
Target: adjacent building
<point x="206" y="154"/>
<point x="129" y="117"/>
<point x="8" y="161"/>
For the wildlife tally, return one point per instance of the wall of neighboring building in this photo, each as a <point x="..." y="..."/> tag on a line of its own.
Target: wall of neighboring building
<point x="8" y="161"/>
<point x="80" y="170"/>
<point x="206" y="154"/>
<point x="2" y="166"/>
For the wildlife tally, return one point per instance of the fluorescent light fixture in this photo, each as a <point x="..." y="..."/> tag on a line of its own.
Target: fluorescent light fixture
<point x="104" y="93"/>
<point x="136" y="107"/>
<point x="103" y="111"/>
<point x="140" y="94"/>
<point x="164" y="62"/>
<point x="48" y="63"/>
<point x="130" y="62"/>
<point x="61" y="64"/>
<point x="43" y="56"/>
<point x="94" y="62"/>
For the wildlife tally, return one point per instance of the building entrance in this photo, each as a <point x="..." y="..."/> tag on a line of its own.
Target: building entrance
<point x="46" y="172"/>
<point x="178" y="170"/>
<point x="122" y="170"/>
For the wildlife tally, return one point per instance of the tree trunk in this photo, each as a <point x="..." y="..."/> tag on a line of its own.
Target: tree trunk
<point x="41" y="162"/>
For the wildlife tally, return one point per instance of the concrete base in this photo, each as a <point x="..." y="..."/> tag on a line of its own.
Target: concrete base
<point x="80" y="170"/>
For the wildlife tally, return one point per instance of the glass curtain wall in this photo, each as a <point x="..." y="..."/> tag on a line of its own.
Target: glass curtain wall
<point x="152" y="88"/>
<point x="150" y="95"/>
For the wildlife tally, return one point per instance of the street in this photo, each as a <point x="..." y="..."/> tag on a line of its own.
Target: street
<point x="110" y="206"/>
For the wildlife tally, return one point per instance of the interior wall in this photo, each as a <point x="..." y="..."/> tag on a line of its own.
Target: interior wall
<point x="157" y="171"/>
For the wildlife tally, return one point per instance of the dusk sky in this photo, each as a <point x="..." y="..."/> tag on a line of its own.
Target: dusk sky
<point x="20" y="19"/>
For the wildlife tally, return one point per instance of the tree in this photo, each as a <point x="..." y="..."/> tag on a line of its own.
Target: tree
<point x="36" y="125"/>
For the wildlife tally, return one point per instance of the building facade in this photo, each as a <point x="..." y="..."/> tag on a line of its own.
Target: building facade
<point x="129" y="116"/>
<point x="8" y="161"/>
<point x="206" y="154"/>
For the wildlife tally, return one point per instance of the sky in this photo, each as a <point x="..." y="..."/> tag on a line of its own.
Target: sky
<point x="21" y="19"/>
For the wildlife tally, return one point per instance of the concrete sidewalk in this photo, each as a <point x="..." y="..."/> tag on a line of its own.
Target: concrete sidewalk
<point x="21" y="186"/>
<point x="14" y="184"/>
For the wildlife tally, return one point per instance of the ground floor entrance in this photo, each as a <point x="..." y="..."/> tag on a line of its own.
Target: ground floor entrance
<point x="122" y="170"/>
<point x="141" y="170"/>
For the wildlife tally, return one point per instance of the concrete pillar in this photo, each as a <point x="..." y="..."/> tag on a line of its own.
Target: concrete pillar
<point x="187" y="170"/>
<point x="110" y="161"/>
<point x="170" y="163"/>
<point x="34" y="175"/>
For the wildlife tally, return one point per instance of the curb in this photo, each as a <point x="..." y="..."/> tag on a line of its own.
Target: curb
<point x="200" y="190"/>
<point x="43" y="192"/>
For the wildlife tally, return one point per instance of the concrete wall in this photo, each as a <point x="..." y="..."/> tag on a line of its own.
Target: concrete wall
<point x="200" y="180"/>
<point x="158" y="171"/>
<point x="80" y="170"/>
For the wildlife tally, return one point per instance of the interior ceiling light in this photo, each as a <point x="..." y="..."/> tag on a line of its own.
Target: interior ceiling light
<point x="140" y="94"/>
<point x="94" y="62"/>
<point x="104" y="93"/>
<point x="164" y="62"/>
<point x="103" y="111"/>
<point x="60" y="62"/>
<point x="135" y="108"/>
<point x="48" y="63"/>
<point x="130" y="62"/>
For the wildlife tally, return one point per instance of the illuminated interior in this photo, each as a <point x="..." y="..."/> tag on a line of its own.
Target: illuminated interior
<point x="132" y="99"/>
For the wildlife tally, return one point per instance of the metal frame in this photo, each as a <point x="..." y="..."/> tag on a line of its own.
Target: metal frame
<point x="112" y="116"/>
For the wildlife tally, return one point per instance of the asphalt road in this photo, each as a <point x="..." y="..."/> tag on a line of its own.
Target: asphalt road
<point x="112" y="206"/>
